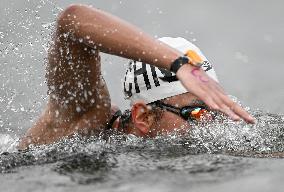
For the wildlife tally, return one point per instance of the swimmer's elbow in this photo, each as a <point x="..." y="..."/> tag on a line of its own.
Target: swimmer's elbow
<point x="70" y="16"/>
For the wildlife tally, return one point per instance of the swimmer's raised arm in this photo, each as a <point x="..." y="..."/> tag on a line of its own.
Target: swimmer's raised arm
<point x="113" y="35"/>
<point x="109" y="34"/>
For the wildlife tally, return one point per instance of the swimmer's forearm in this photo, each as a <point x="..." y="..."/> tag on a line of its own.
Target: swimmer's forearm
<point x="112" y="35"/>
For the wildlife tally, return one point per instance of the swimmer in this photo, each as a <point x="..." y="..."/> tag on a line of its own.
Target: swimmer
<point x="169" y="81"/>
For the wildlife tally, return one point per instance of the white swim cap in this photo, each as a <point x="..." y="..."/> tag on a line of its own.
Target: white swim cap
<point x="149" y="83"/>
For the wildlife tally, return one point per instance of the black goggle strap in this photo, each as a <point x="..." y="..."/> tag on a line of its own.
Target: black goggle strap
<point x="116" y="115"/>
<point x="161" y="104"/>
<point x="170" y="108"/>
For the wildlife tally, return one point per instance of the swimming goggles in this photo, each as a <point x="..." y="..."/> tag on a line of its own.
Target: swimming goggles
<point x="187" y="112"/>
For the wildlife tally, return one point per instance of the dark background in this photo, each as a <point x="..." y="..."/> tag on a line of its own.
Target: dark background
<point x="243" y="39"/>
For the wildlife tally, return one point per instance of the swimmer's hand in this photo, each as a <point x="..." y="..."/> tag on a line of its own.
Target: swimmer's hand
<point x="208" y="90"/>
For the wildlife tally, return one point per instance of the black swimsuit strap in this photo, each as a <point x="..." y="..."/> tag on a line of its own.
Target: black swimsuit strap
<point x="116" y="115"/>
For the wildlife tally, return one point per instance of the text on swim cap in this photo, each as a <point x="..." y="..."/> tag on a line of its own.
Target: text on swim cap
<point x="167" y="77"/>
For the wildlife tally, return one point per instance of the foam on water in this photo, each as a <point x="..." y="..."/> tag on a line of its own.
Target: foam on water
<point x="8" y="143"/>
<point x="265" y="137"/>
<point x="96" y="159"/>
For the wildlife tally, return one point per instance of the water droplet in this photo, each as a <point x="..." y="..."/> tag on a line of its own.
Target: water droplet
<point x="78" y="109"/>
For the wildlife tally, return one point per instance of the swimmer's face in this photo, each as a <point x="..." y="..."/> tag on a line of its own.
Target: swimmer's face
<point x="167" y="122"/>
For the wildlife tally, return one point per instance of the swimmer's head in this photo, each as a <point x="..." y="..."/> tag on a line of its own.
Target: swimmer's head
<point x="148" y="83"/>
<point x="145" y="85"/>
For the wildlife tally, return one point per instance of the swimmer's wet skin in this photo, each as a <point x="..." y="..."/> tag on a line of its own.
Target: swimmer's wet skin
<point x="79" y="100"/>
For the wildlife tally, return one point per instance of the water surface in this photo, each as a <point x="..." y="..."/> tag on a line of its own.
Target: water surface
<point x="211" y="156"/>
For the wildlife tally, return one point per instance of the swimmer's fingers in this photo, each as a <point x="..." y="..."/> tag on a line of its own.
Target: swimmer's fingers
<point x="238" y="110"/>
<point x="217" y="95"/>
<point x="209" y="91"/>
<point x="229" y="107"/>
